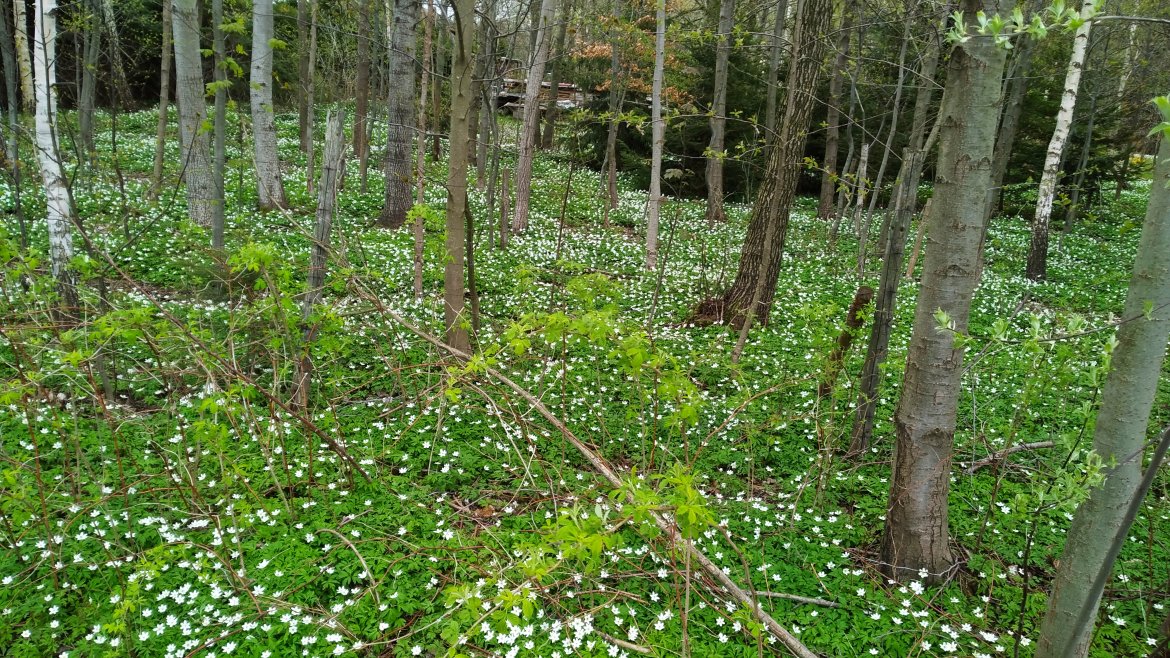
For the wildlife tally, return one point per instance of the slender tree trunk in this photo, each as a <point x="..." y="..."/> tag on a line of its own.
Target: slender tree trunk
<point x="487" y="106"/>
<point x="310" y="81"/>
<point x="557" y="72"/>
<point x="916" y="536"/>
<point x="303" y="100"/>
<point x="219" y="137"/>
<point x="615" y="109"/>
<point x="1037" y="267"/>
<point x="531" y="116"/>
<point x="887" y="148"/>
<point x="401" y="112"/>
<point x="91" y="49"/>
<point x="20" y="37"/>
<point x="770" y="213"/>
<point x="829" y="174"/>
<point x="196" y="165"/>
<point x="421" y="152"/>
<point x="1074" y="199"/>
<point x="775" y="54"/>
<point x="269" y="186"/>
<point x="453" y="276"/>
<point x="658" y="138"/>
<point x="11" y="141"/>
<point x="360" y="136"/>
<point x="332" y="160"/>
<point x="883" y="316"/>
<point x="1009" y="124"/>
<point x="440" y="69"/>
<point x="1119" y="436"/>
<point x="164" y="102"/>
<point x="121" y="86"/>
<point x="718" y="121"/>
<point x="59" y="204"/>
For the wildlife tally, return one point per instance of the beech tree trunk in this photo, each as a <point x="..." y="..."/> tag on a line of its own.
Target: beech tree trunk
<point x="196" y="165"/>
<point x="829" y="174"/>
<point x="401" y="114"/>
<point x="916" y="535"/>
<point x="785" y="161"/>
<point x="164" y="102"/>
<point x="1037" y="267"/>
<point x="59" y="204"/>
<point x="461" y="118"/>
<point x="269" y="186"/>
<point x="658" y="138"/>
<point x="20" y="37"/>
<point x="1119" y="435"/>
<point x="718" y="121"/>
<point x="527" y="146"/>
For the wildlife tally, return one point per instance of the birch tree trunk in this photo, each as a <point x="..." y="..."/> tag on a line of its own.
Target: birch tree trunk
<point x="59" y="205"/>
<point x="527" y="146"/>
<point x="269" y="186"/>
<point x="916" y="536"/>
<point x="759" y="267"/>
<point x="164" y="102"/>
<point x="718" y="121"/>
<point x="401" y="114"/>
<point x="658" y="137"/>
<point x="20" y="37"/>
<point x="196" y="165"/>
<point x="461" y="118"/>
<point x="1120" y="431"/>
<point x="1037" y="267"/>
<point x="829" y="174"/>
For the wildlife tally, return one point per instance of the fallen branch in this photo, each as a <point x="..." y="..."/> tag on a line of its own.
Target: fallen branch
<point x="600" y="465"/>
<point x="999" y="456"/>
<point x="797" y="598"/>
<point x="622" y="644"/>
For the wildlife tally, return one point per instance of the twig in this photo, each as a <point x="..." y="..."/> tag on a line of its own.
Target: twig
<point x="622" y="644"/>
<point x="999" y="456"/>
<point x="799" y="599"/>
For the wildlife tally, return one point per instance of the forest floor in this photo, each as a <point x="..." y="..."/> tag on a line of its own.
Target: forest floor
<point x="196" y="513"/>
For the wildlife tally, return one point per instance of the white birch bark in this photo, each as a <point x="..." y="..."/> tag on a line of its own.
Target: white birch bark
<point x="1038" y="254"/>
<point x="548" y="9"/>
<point x="269" y="187"/>
<point x="658" y="136"/>
<point x="58" y="202"/>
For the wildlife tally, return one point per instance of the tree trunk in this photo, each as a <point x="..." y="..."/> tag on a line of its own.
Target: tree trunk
<point x="853" y="323"/>
<point x="558" y="69"/>
<point x="1037" y="267"/>
<point x="219" y="136"/>
<point x="461" y="71"/>
<point x="164" y="102"/>
<point x="718" y="121"/>
<point x="658" y="138"/>
<point x="785" y="162"/>
<point x="421" y="153"/>
<point x="775" y="54"/>
<point x="201" y="192"/>
<point x="883" y="316"/>
<point x="1119" y="435"/>
<point x="1074" y="198"/>
<point x="269" y="186"/>
<point x="401" y="112"/>
<point x="121" y="86"/>
<point x="615" y="109"/>
<point x="1009" y="124"/>
<point x="829" y="175"/>
<point x="11" y="141"/>
<point x="20" y="37"/>
<point x="916" y="536"/>
<point x="332" y="161"/>
<point x="91" y="49"/>
<point x="303" y="100"/>
<point x="531" y="116"/>
<point x="309" y="82"/>
<point x="487" y="106"/>
<point x="59" y="205"/>
<point x="360" y="136"/>
<point x="439" y="70"/>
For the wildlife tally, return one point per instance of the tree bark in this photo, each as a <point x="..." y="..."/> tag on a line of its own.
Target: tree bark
<point x="59" y="204"/>
<point x="303" y="100"/>
<point x="362" y="83"/>
<point x="11" y="139"/>
<point x="201" y="192"/>
<point x="91" y="49"/>
<point x="1009" y="124"/>
<point x="219" y="137"/>
<point x="615" y="109"/>
<point x="774" y="199"/>
<point x="164" y="102"/>
<point x="121" y="86"/>
<point x="916" y="537"/>
<point x="461" y="73"/>
<point x="310" y="119"/>
<point x="269" y="186"/>
<point x="718" y="121"/>
<point x="658" y="137"/>
<point x="421" y="153"/>
<point x="20" y="38"/>
<point x="401" y="114"/>
<point x="527" y="146"/>
<point x="1119" y="435"/>
<point x="557" y="72"/>
<point x="1037" y="267"/>
<point x="829" y="175"/>
<point x="775" y="54"/>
